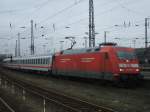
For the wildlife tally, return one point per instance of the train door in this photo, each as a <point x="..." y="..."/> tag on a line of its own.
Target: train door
<point x="106" y="66"/>
<point x="105" y="61"/>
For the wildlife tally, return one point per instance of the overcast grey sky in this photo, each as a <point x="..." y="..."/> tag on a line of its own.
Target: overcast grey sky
<point x="56" y="15"/>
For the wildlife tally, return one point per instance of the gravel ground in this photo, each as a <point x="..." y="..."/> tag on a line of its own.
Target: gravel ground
<point x="16" y="103"/>
<point x="121" y="99"/>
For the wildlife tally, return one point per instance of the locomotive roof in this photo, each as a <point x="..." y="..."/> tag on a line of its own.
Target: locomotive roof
<point x="82" y="50"/>
<point x="87" y="50"/>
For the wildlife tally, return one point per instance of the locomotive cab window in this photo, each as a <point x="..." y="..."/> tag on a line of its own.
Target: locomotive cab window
<point x="96" y="49"/>
<point x="126" y="55"/>
<point x="88" y="50"/>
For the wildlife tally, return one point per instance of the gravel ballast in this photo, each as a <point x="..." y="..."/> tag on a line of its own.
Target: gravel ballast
<point x="121" y="99"/>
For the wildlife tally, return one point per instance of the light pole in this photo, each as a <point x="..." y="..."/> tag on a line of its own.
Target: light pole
<point x="85" y="38"/>
<point x="96" y="33"/>
<point x="44" y="48"/>
<point x="18" y="44"/>
<point x="134" y="42"/>
<point x="146" y="26"/>
<point x="105" y="36"/>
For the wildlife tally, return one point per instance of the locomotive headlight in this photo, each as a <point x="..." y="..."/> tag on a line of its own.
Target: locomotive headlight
<point x="137" y="70"/>
<point x="121" y="70"/>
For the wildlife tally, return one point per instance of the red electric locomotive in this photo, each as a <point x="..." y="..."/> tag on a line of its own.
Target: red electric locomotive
<point x="108" y="62"/>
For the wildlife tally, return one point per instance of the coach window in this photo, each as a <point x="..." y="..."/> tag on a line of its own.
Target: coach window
<point x="38" y="61"/>
<point x="88" y="50"/>
<point x="96" y="49"/>
<point x="45" y="61"/>
<point x="41" y="61"/>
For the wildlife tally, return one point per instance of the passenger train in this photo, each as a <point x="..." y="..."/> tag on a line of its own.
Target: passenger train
<point x="106" y="62"/>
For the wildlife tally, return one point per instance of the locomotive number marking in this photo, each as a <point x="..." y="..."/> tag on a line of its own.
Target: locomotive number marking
<point x="65" y="60"/>
<point x="87" y="59"/>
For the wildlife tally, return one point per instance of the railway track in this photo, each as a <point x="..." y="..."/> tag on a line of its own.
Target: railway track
<point x="4" y="106"/>
<point x="70" y="104"/>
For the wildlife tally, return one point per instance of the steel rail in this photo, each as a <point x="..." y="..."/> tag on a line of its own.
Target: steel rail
<point x="6" y="105"/>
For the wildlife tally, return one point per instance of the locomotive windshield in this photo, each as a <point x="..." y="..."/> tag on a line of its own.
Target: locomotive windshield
<point x="126" y="55"/>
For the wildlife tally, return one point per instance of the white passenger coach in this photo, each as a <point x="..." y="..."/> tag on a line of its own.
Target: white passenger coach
<point x="35" y="63"/>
